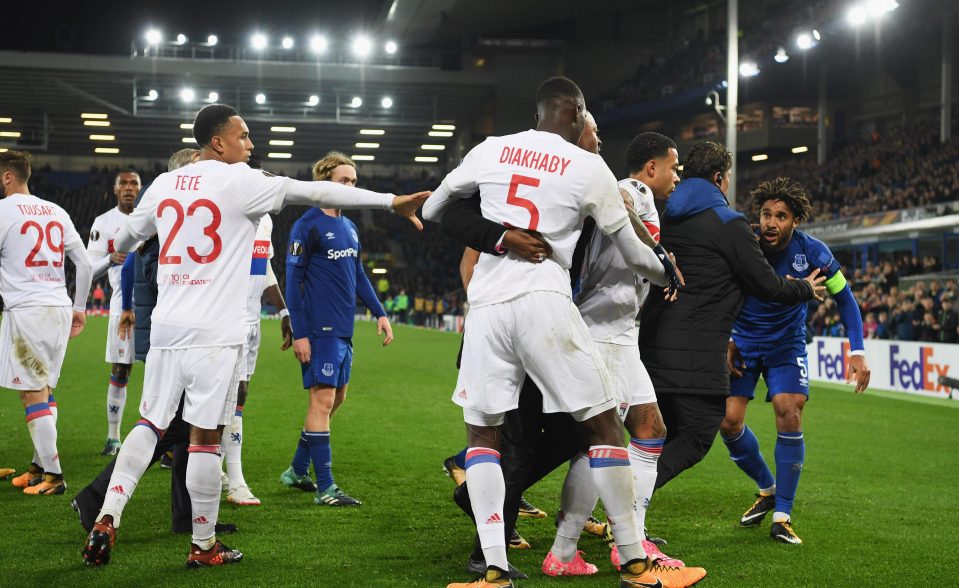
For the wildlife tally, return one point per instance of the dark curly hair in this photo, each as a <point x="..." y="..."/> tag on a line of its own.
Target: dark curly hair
<point x="785" y="189"/>
<point x="705" y="159"/>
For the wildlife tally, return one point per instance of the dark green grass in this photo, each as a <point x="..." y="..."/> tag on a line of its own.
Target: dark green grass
<point x="877" y="502"/>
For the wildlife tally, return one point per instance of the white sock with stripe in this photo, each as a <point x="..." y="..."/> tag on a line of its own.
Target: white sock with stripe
<point x="204" y="486"/>
<point x="613" y="477"/>
<point x="132" y="462"/>
<point x="643" y="458"/>
<point x="576" y="504"/>
<point x="487" y="492"/>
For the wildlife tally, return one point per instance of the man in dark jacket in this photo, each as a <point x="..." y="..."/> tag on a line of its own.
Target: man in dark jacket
<point x="683" y="343"/>
<point x="948" y="321"/>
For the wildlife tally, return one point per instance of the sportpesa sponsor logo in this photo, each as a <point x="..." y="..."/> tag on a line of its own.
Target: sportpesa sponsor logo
<point x="335" y="254"/>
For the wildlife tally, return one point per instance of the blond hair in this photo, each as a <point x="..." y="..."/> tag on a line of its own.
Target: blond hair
<point x="181" y="158"/>
<point x="323" y="169"/>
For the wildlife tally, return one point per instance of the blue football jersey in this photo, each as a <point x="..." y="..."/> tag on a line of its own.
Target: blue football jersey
<point x="325" y="275"/>
<point x="764" y="321"/>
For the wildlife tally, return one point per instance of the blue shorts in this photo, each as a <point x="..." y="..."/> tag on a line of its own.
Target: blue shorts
<point x="782" y="364"/>
<point x="330" y="362"/>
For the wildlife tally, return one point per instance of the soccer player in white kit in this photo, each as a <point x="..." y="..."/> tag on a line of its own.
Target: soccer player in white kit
<point x="609" y="299"/>
<point x="35" y="237"/>
<point x="262" y="282"/>
<point x="522" y="319"/>
<point x="105" y="258"/>
<point x="204" y="215"/>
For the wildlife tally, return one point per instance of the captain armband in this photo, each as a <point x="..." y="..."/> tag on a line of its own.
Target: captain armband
<point x="836" y="283"/>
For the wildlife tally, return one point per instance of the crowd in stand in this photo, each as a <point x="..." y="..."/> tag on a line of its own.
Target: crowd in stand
<point x="903" y="167"/>
<point x="924" y="311"/>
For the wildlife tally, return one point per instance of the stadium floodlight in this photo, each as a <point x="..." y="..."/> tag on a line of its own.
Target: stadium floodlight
<point x="709" y="100"/>
<point x="877" y="8"/>
<point x="103" y="137"/>
<point x="152" y="95"/>
<point x="390" y="47"/>
<point x="281" y="142"/>
<point x="213" y="97"/>
<point x="386" y="102"/>
<point x="807" y="40"/>
<point x="153" y="36"/>
<point x="444" y="127"/>
<point x="96" y="123"/>
<point x="279" y="155"/>
<point x="283" y="129"/>
<point x="800" y="149"/>
<point x="186" y="126"/>
<point x="180" y="39"/>
<point x="362" y="45"/>
<point x="318" y="44"/>
<point x="377" y="132"/>
<point x="816" y="35"/>
<point x="107" y="150"/>
<point x="93" y="115"/>
<point x="378" y="270"/>
<point x="760" y="157"/>
<point x="187" y="94"/>
<point x="426" y="159"/>
<point x="361" y="157"/>
<point x="856" y="15"/>
<point x="260" y="98"/>
<point x="259" y="41"/>
<point x="356" y="102"/>
<point x="287" y="43"/>
<point x="5" y="120"/>
<point x="367" y="145"/>
<point x="429" y="147"/>
<point x="440" y="133"/>
<point x="187" y="140"/>
<point x="11" y="134"/>
<point x="313" y="101"/>
<point x="212" y="40"/>
<point x="781" y="55"/>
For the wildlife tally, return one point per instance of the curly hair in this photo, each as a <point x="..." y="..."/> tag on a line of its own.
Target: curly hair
<point x="787" y="190"/>
<point x="323" y="169"/>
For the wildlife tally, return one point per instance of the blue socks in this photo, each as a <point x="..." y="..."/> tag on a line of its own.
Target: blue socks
<point x="460" y="459"/>
<point x="790" y="454"/>
<point x="322" y="455"/>
<point x="744" y="450"/>
<point x="301" y="459"/>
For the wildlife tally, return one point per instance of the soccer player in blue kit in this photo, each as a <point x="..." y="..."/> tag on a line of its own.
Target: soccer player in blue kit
<point x="769" y="339"/>
<point x="324" y="274"/>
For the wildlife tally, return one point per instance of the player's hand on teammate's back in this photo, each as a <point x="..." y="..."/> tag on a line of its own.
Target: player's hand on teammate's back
<point x="406" y="206"/>
<point x="117" y="258"/>
<point x="79" y="321"/>
<point x="301" y="349"/>
<point x="128" y="321"/>
<point x="286" y="331"/>
<point x="383" y="325"/>
<point x="527" y="244"/>
<point x="816" y="281"/>
<point x="734" y="360"/>
<point x="859" y="371"/>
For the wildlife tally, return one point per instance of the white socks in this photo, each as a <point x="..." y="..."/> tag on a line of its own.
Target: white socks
<point x="116" y="401"/>
<point x="132" y="461"/>
<point x="203" y="483"/>
<point x="576" y="504"/>
<point x="43" y="433"/>
<point x="487" y="494"/>
<point x="643" y="458"/>
<point x="232" y="451"/>
<point x="613" y="477"/>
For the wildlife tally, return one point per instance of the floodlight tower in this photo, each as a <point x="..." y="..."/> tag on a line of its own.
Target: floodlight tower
<point x="732" y="92"/>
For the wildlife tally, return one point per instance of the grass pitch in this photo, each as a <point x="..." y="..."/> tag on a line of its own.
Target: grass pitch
<point x="876" y="504"/>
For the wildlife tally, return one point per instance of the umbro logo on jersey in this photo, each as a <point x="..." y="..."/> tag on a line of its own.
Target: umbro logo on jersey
<point x="118" y="489"/>
<point x="296" y="249"/>
<point x="495" y="519"/>
<point x="330" y="235"/>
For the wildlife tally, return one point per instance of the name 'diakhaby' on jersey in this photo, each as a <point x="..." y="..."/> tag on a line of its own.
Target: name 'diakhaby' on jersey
<point x="534" y="160"/>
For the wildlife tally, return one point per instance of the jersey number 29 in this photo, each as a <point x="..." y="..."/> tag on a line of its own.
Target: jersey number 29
<point x="31" y="260"/>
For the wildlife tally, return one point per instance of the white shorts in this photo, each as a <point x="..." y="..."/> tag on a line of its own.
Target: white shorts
<point x="33" y="342"/>
<point x="540" y="334"/>
<point x="631" y="382"/>
<point x="118" y="350"/>
<point x="251" y="348"/>
<point x="208" y="376"/>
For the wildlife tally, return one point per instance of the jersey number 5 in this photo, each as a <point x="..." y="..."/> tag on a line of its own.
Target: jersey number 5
<point x="209" y="231"/>
<point x="512" y="198"/>
<point x="31" y="260"/>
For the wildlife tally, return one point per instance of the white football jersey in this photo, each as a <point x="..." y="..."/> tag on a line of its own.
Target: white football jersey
<point x="34" y="237"/>
<point x="262" y="254"/>
<point x="610" y="293"/>
<point x="100" y="246"/>
<point x="535" y="180"/>
<point x="205" y="216"/>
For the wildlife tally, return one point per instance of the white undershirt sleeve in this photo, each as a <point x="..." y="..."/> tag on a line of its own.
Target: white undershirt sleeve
<point x="332" y="195"/>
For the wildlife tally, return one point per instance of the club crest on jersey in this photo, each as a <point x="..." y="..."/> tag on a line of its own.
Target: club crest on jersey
<point x="327" y="369"/>
<point x="799" y="263"/>
<point x="296" y="249"/>
<point x="329" y="236"/>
